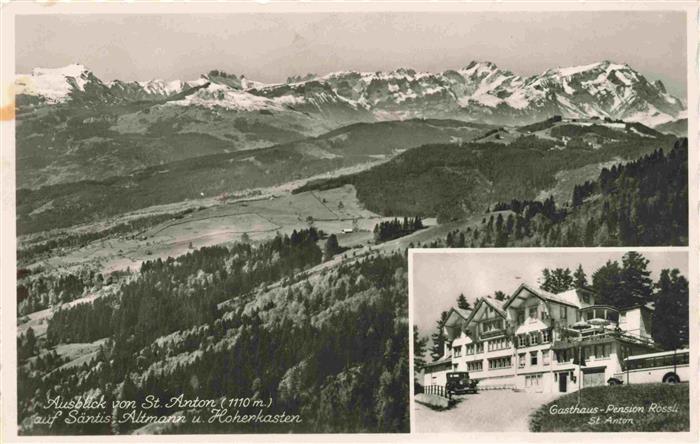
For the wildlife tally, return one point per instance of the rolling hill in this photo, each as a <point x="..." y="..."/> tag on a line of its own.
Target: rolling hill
<point x="65" y="204"/>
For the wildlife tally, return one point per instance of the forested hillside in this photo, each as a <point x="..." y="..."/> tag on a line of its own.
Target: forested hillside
<point x="244" y="321"/>
<point x="458" y="180"/>
<point x="644" y="202"/>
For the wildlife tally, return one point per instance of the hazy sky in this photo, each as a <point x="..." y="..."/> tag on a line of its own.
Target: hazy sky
<point x="271" y="47"/>
<point x="439" y="278"/>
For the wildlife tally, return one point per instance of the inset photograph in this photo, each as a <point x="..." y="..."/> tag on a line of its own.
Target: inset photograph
<point x="557" y="341"/>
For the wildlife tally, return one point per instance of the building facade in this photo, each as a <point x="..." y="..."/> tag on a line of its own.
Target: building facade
<point x="535" y="340"/>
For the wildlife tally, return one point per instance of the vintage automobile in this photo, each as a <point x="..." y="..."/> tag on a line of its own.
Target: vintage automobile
<point x="459" y="383"/>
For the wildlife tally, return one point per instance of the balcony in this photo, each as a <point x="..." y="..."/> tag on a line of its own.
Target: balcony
<point x="600" y="315"/>
<point x="571" y="338"/>
<point x="493" y="333"/>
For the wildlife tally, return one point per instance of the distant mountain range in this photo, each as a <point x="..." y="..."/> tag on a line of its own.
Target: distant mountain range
<point x="479" y="92"/>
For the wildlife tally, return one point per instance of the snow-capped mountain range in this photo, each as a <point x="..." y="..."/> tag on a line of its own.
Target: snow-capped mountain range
<point x="478" y="92"/>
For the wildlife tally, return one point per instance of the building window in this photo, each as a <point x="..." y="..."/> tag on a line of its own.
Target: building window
<point x="546" y="357"/>
<point x="498" y="363"/>
<point x="533" y="358"/>
<point x="546" y="336"/>
<point x="532" y="311"/>
<point x="603" y="350"/>
<point x="522" y="341"/>
<point x="480" y="347"/>
<point x="475" y="366"/>
<point x="533" y="380"/>
<point x="521" y="316"/>
<point x="586" y="299"/>
<point x="458" y="351"/>
<point x="563" y="356"/>
<point x="470" y="349"/>
<point x="534" y="337"/>
<point x="498" y="344"/>
<point x="488" y="326"/>
<point x="562" y="313"/>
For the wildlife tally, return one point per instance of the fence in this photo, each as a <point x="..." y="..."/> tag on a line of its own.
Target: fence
<point x="498" y="387"/>
<point x="438" y="390"/>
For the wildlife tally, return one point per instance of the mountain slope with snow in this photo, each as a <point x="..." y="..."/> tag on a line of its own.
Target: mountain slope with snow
<point x="478" y="92"/>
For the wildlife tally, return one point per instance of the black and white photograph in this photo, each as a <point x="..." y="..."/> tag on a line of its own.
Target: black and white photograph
<point x="572" y="341"/>
<point x="211" y="210"/>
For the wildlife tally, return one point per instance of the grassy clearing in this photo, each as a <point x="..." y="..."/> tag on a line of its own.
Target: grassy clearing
<point x="649" y="408"/>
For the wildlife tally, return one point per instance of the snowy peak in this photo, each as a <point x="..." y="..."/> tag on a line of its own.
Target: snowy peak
<point x="480" y="91"/>
<point x="73" y="70"/>
<point x="54" y="84"/>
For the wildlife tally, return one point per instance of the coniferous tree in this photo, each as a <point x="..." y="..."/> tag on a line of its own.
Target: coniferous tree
<point x="670" y="324"/>
<point x="580" y="279"/>
<point x="331" y="247"/>
<point x="419" y="345"/>
<point x="438" y="338"/>
<point x="606" y="283"/>
<point x="557" y="280"/>
<point x="635" y="282"/>
<point x="463" y="303"/>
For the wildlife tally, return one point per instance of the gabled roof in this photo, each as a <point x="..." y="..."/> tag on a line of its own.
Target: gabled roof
<point x="569" y="297"/>
<point x="648" y="306"/>
<point x="443" y="360"/>
<point x="494" y="303"/>
<point x="464" y="314"/>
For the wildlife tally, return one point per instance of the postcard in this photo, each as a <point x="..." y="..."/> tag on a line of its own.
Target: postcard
<point x="354" y="221"/>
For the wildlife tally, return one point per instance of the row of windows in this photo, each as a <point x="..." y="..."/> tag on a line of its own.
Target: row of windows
<point x="475" y="348"/>
<point x="658" y="361"/>
<point x="532" y="313"/>
<point x="488" y="326"/>
<point x="498" y="344"/>
<point x="470" y="349"/>
<point x="535" y="338"/>
<point x="497" y="363"/>
<point x="532" y="338"/>
<point x="475" y="366"/>
<point x="588" y="352"/>
<point x="600" y="313"/>
<point x="597" y="351"/>
<point x="534" y="358"/>
<point x="533" y="380"/>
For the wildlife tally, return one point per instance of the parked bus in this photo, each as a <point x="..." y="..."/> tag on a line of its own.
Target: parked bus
<point x="668" y="366"/>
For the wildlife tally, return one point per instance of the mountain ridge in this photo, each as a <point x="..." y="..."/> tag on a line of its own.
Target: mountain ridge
<point x="480" y="91"/>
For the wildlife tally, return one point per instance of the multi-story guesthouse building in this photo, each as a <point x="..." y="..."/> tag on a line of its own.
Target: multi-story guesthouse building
<point x="535" y="340"/>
